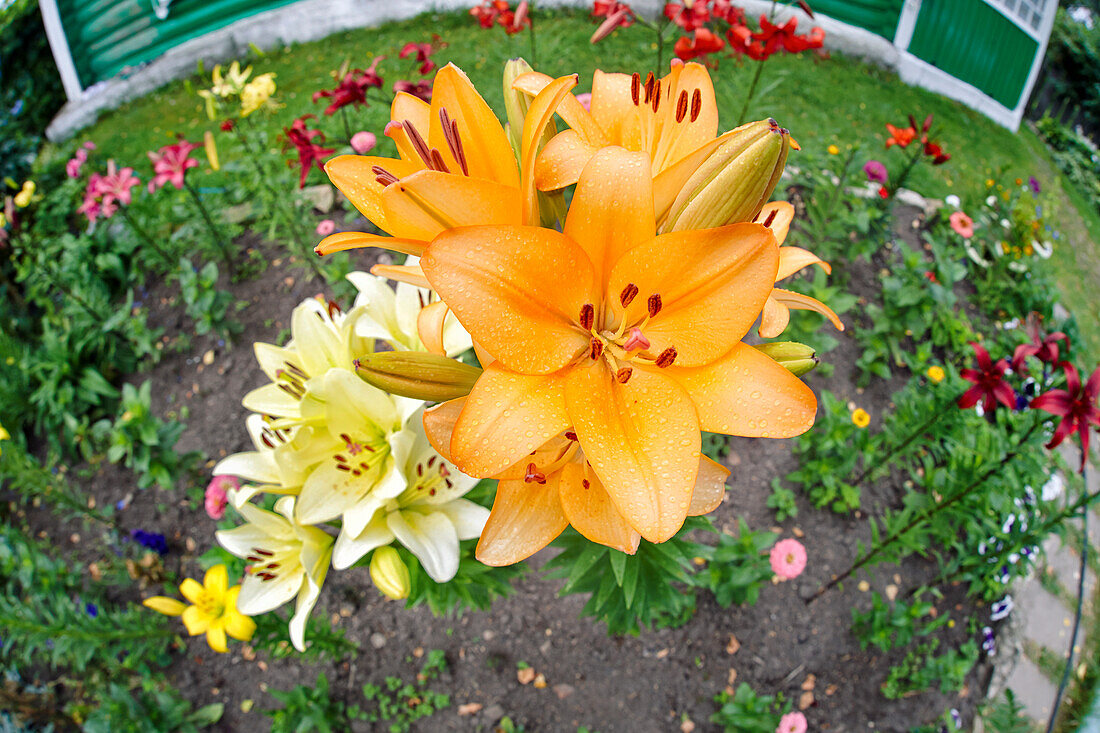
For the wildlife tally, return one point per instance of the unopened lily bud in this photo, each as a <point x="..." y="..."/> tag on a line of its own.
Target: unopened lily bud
<point x="735" y="181"/>
<point x="389" y="573"/>
<point x="796" y="358"/>
<point x="417" y="374"/>
<point x="515" y="101"/>
<point x="211" y="148"/>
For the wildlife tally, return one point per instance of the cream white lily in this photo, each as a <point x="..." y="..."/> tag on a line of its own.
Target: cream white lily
<point x="429" y="517"/>
<point x="398" y="316"/>
<point x="287" y="559"/>
<point x="369" y="436"/>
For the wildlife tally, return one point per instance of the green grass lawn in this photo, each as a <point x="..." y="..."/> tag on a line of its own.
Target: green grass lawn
<point x="833" y="101"/>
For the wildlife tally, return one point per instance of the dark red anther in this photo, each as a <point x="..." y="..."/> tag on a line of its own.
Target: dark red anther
<point x="570" y="435"/>
<point x="681" y="106"/>
<point x="654" y="304"/>
<point x="656" y="101"/>
<point x="534" y="475"/>
<point x="666" y="358"/>
<point x="696" y="104"/>
<point x="596" y="348"/>
<point x="623" y="375"/>
<point x="585" y="483"/>
<point x="635" y="88"/>
<point x="383" y="176"/>
<point x="771" y="217"/>
<point x="630" y="292"/>
<point x="588" y="316"/>
<point x="649" y="86"/>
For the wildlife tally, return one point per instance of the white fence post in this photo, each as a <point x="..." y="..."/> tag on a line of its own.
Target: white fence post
<point x="59" y="45"/>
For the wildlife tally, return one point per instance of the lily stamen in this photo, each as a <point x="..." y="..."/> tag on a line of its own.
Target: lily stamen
<point x="588" y="316"/>
<point x="383" y="176"/>
<point x="418" y="144"/>
<point x="654" y="305"/>
<point x="696" y="105"/>
<point x="666" y="358"/>
<point x="629" y="293"/>
<point x="681" y="106"/>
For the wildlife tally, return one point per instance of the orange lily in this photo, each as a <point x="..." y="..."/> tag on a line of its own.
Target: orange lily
<point x="596" y="329"/>
<point x="778" y="216"/>
<point x="456" y="168"/>
<point x="555" y="487"/>
<point x="900" y="136"/>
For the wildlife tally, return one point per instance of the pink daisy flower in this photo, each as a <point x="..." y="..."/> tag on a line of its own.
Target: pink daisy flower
<point x="217" y="495"/>
<point x="326" y="227"/>
<point x="788" y="559"/>
<point x="792" y="722"/>
<point x="362" y="142"/>
<point x="962" y="224"/>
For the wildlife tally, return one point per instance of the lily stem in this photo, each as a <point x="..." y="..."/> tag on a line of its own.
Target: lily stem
<point x="885" y="460"/>
<point x="142" y="234"/>
<point x="752" y="91"/>
<point x="219" y="240"/>
<point x="531" y="38"/>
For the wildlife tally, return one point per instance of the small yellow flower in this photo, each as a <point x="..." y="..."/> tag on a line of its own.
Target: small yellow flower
<point x="989" y="183"/>
<point x="4" y="434"/>
<point x="1019" y="181"/>
<point x="213" y="609"/>
<point x="935" y="373"/>
<point x="860" y="418"/>
<point x="23" y="198"/>
<point x="833" y="150"/>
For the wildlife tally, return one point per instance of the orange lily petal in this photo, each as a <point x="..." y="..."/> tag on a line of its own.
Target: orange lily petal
<point x="612" y="208"/>
<point x="678" y="139"/>
<point x="539" y="115"/>
<point x="506" y="417"/>
<point x="774" y="318"/>
<point x="525" y="518"/>
<point x="483" y="356"/>
<point x="439" y="425"/>
<point x="411" y="274"/>
<point x="711" y="290"/>
<point x="749" y="394"/>
<point x="612" y="104"/>
<point x="487" y="150"/>
<point x="353" y="175"/>
<point x="591" y="512"/>
<point x="781" y="221"/>
<point x="518" y="291"/>
<point x="544" y="457"/>
<point x="422" y="205"/>
<point x="793" y="259"/>
<point x="342" y="241"/>
<point x="710" y="487"/>
<point x="562" y="159"/>
<point x="429" y="326"/>
<point x="642" y="440"/>
<point x="798" y="301"/>
<point x="571" y="111"/>
<point x="417" y="112"/>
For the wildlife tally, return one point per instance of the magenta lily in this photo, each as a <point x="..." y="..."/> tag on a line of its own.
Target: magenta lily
<point x="1076" y="405"/>
<point x="117" y="183"/>
<point x="1044" y="348"/>
<point x="989" y="385"/>
<point x="170" y="163"/>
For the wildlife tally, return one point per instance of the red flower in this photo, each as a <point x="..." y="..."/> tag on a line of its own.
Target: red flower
<point x="1044" y="348"/>
<point x="725" y="10"/>
<point x="989" y="385"/>
<point x="1076" y="405"/>
<point x="934" y="151"/>
<point x="170" y="163"/>
<point x="421" y="52"/>
<point x="352" y="89"/>
<point x="689" y="18"/>
<point x="228" y="125"/>
<point x="421" y="89"/>
<point x="883" y="192"/>
<point x="704" y="42"/>
<point x="608" y="8"/>
<point x="514" y="22"/>
<point x="485" y="14"/>
<point x="784" y="36"/>
<point x="900" y="136"/>
<point x="931" y="276"/>
<point x="741" y="41"/>
<point x="309" y="153"/>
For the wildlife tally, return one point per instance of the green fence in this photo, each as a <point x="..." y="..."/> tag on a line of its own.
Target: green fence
<point x="878" y="16"/>
<point x="975" y="43"/>
<point x="106" y="36"/>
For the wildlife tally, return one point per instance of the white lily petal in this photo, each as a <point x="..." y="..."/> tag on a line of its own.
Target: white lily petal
<point x="432" y="538"/>
<point x="467" y="517"/>
<point x="307" y="599"/>
<point x="329" y="492"/>
<point x="273" y="359"/>
<point x="349" y="548"/>
<point x="271" y="400"/>
<point x="260" y="596"/>
<point x="251" y="465"/>
<point x="360" y="515"/>
<point x="318" y="343"/>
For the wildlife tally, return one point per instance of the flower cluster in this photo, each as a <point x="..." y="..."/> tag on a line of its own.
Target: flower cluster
<point x="253" y="95"/>
<point x="106" y="192"/>
<point x="351" y="88"/>
<point x="74" y="165"/>
<point x="499" y="12"/>
<point x="344" y="456"/>
<point x="1010" y="228"/>
<point x="603" y="357"/>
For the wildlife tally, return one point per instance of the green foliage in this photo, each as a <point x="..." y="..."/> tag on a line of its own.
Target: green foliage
<point x="207" y="306"/>
<point x="922" y="668"/>
<point x="828" y="455"/>
<point x="325" y="642"/>
<point x="747" y="712"/>
<point x="1006" y="715"/>
<point x="649" y="589"/>
<point x="149" y="709"/>
<point x="894" y="625"/>
<point x="1075" y="155"/>
<point x="782" y="501"/>
<point x="140" y="440"/>
<point x="716" y="446"/>
<point x="738" y="567"/>
<point x="308" y="708"/>
<point x="400" y="703"/>
<point x="1073" y="64"/>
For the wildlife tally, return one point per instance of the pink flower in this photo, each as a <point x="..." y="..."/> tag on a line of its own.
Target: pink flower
<point x="788" y="559"/>
<point x="792" y="723"/>
<point x="586" y="100"/>
<point x="962" y="224"/>
<point x="876" y="172"/>
<point x="363" y="142"/>
<point x="170" y="163"/>
<point x="421" y="89"/>
<point x="117" y="183"/>
<point x="72" y="168"/>
<point x="326" y="227"/>
<point x="217" y="495"/>
<point x="89" y="145"/>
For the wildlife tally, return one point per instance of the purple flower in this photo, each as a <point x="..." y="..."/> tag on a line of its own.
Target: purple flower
<point x="91" y="609"/>
<point x="876" y="172"/>
<point x="150" y="540"/>
<point x="989" y="644"/>
<point x="1034" y="183"/>
<point x="1001" y="608"/>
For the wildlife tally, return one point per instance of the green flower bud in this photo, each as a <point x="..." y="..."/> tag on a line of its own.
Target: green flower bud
<point x="389" y="573"/>
<point x="797" y="358"/>
<point x="417" y="374"/>
<point x="734" y="182"/>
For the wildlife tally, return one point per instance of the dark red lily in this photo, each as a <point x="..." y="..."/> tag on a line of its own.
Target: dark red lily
<point x="421" y="53"/>
<point x="702" y="43"/>
<point x="776" y="36"/>
<point x="309" y="153"/>
<point x="352" y="89"/>
<point x="515" y="21"/>
<point x="1044" y="348"/>
<point x="727" y="11"/>
<point x="989" y="385"/>
<point x="421" y="89"/>
<point x="1076" y="405"/>
<point x="689" y="18"/>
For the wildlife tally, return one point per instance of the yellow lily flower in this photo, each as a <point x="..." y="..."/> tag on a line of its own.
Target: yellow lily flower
<point x="213" y="609"/>
<point x="456" y="168"/>
<point x="256" y="93"/>
<point x="598" y="329"/>
<point x="233" y="82"/>
<point x="552" y="488"/>
<point x="23" y="198"/>
<point x="778" y="216"/>
<point x="4" y="435"/>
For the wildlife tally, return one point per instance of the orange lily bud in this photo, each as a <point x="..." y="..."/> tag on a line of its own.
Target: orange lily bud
<point x="796" y="358"/>
<point x="734" y="182"/>
<point x="417" y="374"/>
